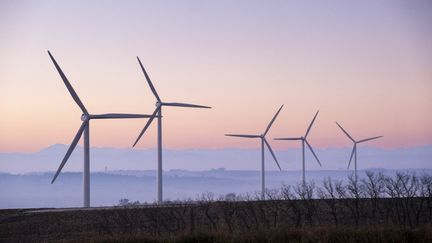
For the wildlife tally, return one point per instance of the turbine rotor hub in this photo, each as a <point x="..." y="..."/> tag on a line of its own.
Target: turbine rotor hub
<point x="84" y="117"/>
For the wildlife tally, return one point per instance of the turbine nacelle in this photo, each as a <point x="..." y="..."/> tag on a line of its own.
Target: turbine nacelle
<point x="85" y="117"/>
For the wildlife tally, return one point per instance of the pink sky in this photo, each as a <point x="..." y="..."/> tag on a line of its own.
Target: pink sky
<point x="367" y="65"/>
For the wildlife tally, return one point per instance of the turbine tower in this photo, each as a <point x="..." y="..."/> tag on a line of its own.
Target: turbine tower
<point x="84" y="128"/>
<point x="304" y="141"/>
<point x="263" y="141"/>
<point x="158" y="113"/>
<point x="354" y="150"/>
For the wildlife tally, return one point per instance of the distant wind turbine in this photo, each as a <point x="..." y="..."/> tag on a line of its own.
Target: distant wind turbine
<point x="304" y="141"/>
<point x="354" y="150"/>
<point x="85" y="128"/>
<point x="158" y="113"/>
<point x="263" y="141"/>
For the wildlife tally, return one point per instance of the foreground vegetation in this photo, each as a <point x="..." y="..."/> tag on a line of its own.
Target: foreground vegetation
<point x="377" y="208"/>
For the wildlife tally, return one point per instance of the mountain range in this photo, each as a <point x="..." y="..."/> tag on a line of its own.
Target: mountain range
<point x="111" y="159"/>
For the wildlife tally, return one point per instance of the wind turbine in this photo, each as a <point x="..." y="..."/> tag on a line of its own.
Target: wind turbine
<point x="304" y="141"/>
<point x="158" y="113"/>
<point x="354" y="150"/>
<point x="84" y="128"/>
<point x="263" y="141"/>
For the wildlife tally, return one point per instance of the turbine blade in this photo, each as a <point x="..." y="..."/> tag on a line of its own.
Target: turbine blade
<point x="149" y="81"/>
<point x="70" y="149"/>
<point x="346" y="133"/>
<point x="352" y="154"/>
<point x="310" y="147"/>
<point x="243" y="135"/>
<point x="271" y="122"/>
<point x="292" y="139"/>
<point x="368" y="139"/>
<point x="186" y="105"/>
<point x="310" y="125"/>
<point x="118" y="116"/>
<point x="146" y="125"/>
<point x="68" y="85"/>
<point x="271" y="151"/>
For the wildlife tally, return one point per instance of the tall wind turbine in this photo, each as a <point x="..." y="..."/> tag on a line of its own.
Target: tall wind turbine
<point x="304" y="141"/>
<point x="263" y="141"/>
<point x="158" y="113"/>
<point x="354" y="150"/>
<point x="84" y="128"/>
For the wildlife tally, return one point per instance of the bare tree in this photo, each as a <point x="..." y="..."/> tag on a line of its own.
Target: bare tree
<point x="374" y="187"/>
<point x="205" y="201"/>
<point x="306" y="193"/>
<point x="293" y="204"/>
<point x="276" y="204"/>
<point x="328" y="195"/>
<point x="355" y="193"/>
<point x="426" y="181"/>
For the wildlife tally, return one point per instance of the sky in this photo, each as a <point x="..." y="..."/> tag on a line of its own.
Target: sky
<point x="365" y="64"/>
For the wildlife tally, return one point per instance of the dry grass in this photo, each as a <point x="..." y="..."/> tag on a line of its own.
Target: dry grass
<point x="304" y="235"/>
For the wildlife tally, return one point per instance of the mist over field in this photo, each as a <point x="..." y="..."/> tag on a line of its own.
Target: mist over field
<point x="34" y="190"/>
<point x="125" y="173"/>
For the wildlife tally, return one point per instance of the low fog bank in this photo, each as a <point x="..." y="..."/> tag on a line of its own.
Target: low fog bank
<point x="32" y="190"/>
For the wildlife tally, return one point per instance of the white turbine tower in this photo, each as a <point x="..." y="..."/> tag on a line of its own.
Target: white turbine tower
<point x="158" y="113"/>
<point x="305" y="141"/>
<point x="263" y="141"/>
<point x="85" y="128"/>
<point x="354" y="150"/>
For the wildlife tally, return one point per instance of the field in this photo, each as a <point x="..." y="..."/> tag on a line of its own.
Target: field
<point x="316" y="220"/>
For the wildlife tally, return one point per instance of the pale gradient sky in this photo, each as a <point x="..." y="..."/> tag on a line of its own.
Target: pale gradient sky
<point x="366" y="64"/>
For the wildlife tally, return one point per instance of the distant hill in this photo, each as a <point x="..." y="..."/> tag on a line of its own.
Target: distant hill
<point x="48" y="159"/>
